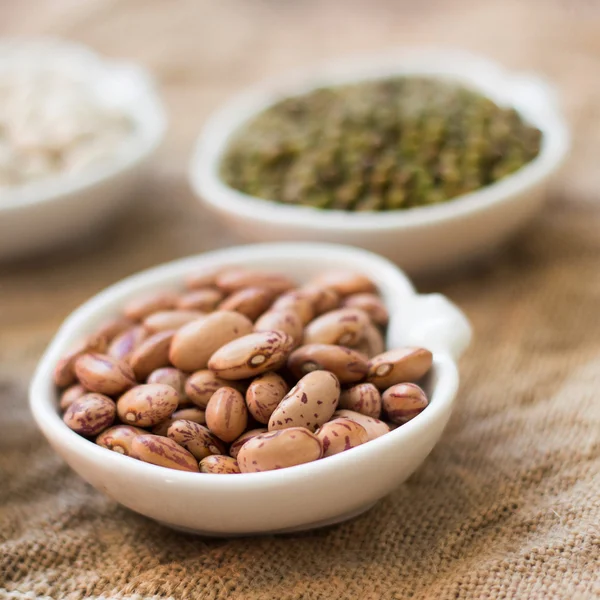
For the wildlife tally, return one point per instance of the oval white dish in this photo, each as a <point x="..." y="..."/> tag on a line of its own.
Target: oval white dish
<point x="302" y="497"/>
<point x="418" y="239"/>
<point x="64" y="207"/>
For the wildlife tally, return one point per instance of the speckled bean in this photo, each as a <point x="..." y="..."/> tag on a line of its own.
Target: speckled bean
<point x="126" y="342"/>
<point x="201" y="385"/>
<point x="195" y="438"/>
<point x="250" y="302"/>
<point x="221" y="465"/>
<point x="348" y="365"/>
<point x="64" y="372"/>
<point x="323" y="299"/>
<point x="341" y="434"/>
<point x="119" y="438"/>
<point x="226" y="414"/>
<point x="142" y="306"/>
<point x="372" y="343"/>
<point x="90" y="414"/>
<point x="371" y="304"/>
<point x="278" y="450"/>
<point x="403" y="402"/>
<point x="232" y="280"/>
<point x="163" y="452"/>
<point x="374" y="427"/>
<point x="204" y="299"/>
<point x="299" y="302"/>
<point x="71" y="394"/>
<point x="189" y="414"/>
<point x="102" y="374"/>
<point x="148" y="404"/>
<point x="197" y="341"/>
<point x="170" y="320"/>
<point x="113" y="327"/>
<point x="205" y="278"/>
<point x="285" y="320"/>
<point x="236" y="445"/>
<point x="344" y="327"/>
<point x="344" y="282"/>
<point x="363" y="398"/>
<point x="399" y="366"/>
<point x="264" y="394"/>
<point x="151" y="354"/>
<point x="169" y="376"/>
<point x="310" y="403"/>
<point x="251" y="355"/>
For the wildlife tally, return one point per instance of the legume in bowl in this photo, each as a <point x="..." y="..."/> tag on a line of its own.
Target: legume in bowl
<point x="429" y="158"/>
<point x="257" y="389"/>
<point x="76" y="132"/>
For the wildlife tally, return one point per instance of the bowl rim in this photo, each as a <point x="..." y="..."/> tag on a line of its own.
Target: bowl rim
<point x="533" y="97"/>
<point x="43" y="395"/>
<point x="144" y="107"/>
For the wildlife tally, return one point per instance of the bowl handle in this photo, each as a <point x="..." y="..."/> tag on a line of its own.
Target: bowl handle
<point x="435" y="323"/>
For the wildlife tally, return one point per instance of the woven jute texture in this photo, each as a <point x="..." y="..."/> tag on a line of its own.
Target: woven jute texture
<point x="507" y="506"/>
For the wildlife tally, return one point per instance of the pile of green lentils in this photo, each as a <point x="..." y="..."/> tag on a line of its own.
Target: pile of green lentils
<point x="379" y="145"/>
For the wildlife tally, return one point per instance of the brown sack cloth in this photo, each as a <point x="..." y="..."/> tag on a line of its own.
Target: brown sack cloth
<point x="506" y="506"/>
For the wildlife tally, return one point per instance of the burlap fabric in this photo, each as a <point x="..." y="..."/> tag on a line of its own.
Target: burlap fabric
<point x="507" y="505"/>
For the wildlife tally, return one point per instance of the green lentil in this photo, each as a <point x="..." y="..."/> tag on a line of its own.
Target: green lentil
<point x="388" y="144"/>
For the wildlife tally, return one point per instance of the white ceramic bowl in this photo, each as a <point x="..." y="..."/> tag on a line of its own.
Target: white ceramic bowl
<point x="422" y="238"/>
<point x="54" y="210"/>
<point x="301" y="497"/>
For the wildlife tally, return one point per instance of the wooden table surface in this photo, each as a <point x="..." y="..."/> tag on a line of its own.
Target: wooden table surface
<point x="202" y="51"/>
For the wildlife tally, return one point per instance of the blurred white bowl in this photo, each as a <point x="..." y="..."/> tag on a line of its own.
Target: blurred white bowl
<point x="64" y="207"/>
<point x="422" y="238"/>
<point x="301" y="497"/>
